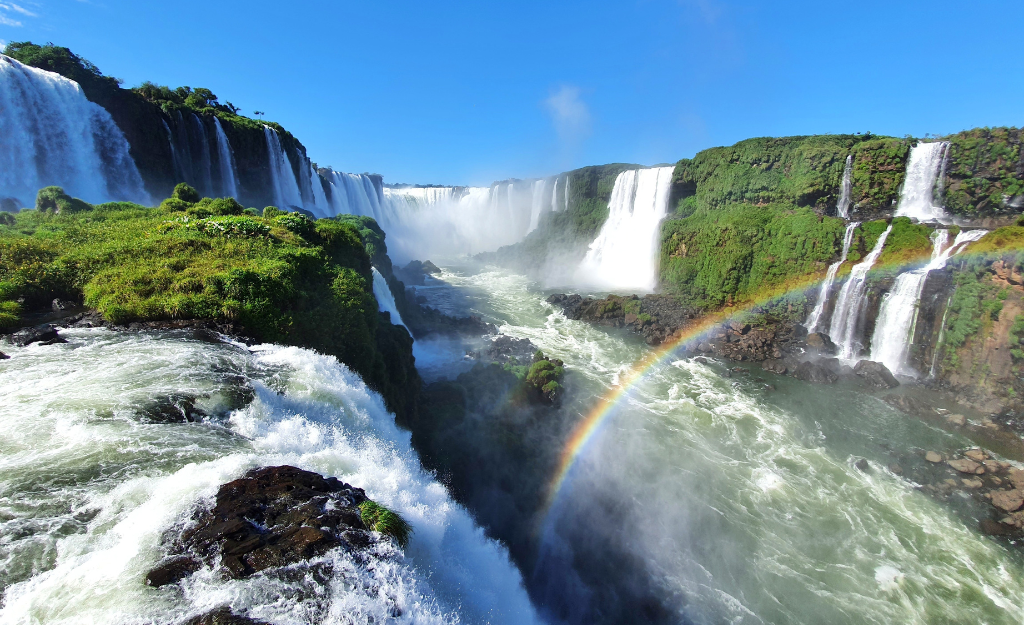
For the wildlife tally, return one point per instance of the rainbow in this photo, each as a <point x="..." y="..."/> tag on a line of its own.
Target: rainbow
<point x="586" y="429"/>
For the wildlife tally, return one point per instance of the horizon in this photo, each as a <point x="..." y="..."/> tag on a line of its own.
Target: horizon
<point x="456" y="110"/>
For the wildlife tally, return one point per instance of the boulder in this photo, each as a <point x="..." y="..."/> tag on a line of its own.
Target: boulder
<point x="932" y="456"/>
<point x="1008" y="500"/>
<point x="223" y="616"/>
<point x="815" y="373"/>
<point x="821" y="342"/>
<point x="875" y="374"/>
<point x="976" y="454"/>
<point x="774" y="365"/>
<point x="1017" y="478"/>
<point x="172" y="570"/>
<point x="956" y="419"/>
<point x="964" y="465"/>
<point x="38" y="334"/>
<point x="3" y="356"/>
<point x="972" y="483"/>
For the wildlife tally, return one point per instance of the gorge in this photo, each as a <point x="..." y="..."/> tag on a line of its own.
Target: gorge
<point x="776" y="382"/>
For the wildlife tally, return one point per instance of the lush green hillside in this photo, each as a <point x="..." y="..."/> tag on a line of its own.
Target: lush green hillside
<point x="277" y="276"/>
<point x="985" y="172"/>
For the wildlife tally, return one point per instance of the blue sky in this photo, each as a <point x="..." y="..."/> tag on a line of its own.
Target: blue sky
<point x="470" y="92"/>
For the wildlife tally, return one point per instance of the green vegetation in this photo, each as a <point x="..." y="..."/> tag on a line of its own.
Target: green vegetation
<point x="62" y="61"/>
<point x="907" y="242"/>
<point x="1017" y="338"/>
<point x="284" y="279"/>
<point x="545" y="375"/>
<point x="380" y="519"/>
<point x="985" y="171"/>
<point x="975" y="303"/>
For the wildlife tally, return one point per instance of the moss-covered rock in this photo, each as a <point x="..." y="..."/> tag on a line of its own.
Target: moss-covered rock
<point x="985" y="172"/>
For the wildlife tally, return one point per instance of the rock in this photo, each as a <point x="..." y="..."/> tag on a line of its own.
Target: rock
<point x="956" y="419"/>
<point x="875" y="374"/>
<point x="774" y="365"/>
<point x="739" y="327"/>
<point x="271" y="517"/>
<point x="38" y="334"/>
<point x="3" y="356"/>
<point x="59" y="305"/>
<point x="862" y="465"/>
<point x="223" y="616"/>
<point x="821" y="342"/>
<point x="996" y="481"/>
<point x="963" y="465"/>
<point x="172" y="570"/>
<point x="976" y="454"/>
<point x="992" y="528"/>
<point x="932" y="456"/>
<point x="972" y="483"/>
<point x="896" y="469"/>
<point x="1017" y="478"/>
<point x="816" y="374"/>
<point x="1008" y="500"/>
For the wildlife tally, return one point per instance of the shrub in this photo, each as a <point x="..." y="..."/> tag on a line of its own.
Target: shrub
<point x="174" y="205"/>
<point x="53" y="199"/>
<point x="297" y="223"/>
<point x="388" y="522"/>
<point x="272" y="211"/>
<point x="185" y="193"/>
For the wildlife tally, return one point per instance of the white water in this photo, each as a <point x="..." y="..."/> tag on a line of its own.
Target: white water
<point x="554" y="197"/>
<point x="624" y="254"/>
<point x="843" y="329"/>
<point x="385" y="299"/>
<point x="917" y="199"/>
<point x="843" y="207"/>
<point x="205" y="182"/>
<point x="320" y="202"/>
<point x="897" y="316"/>
<point x="51" y="134"/>
<point x="282" y="176"/>
<point x="228" y="171"/>
<point x="540" y="188"/>
<point x="830" y="277"/>
<point x="88" y="488"/>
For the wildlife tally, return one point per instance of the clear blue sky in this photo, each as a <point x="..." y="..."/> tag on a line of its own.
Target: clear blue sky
<point x="470" y="92"/>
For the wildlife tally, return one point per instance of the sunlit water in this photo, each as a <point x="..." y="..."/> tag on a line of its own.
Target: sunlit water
<point x="744" y="502"/>
<point x="88" y="486"/>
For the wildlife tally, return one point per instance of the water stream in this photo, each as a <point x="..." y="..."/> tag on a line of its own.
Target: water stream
<point x="830" y="277"/>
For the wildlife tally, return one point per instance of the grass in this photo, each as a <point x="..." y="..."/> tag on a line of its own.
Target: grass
<point x="389" y="523"/>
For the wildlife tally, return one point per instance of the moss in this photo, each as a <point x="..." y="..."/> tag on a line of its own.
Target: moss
<point x="985" y="171"/>
<point x="974" y="304"/>
<point x="999" y="241"/>
<point x="907" y="242"/>
<point x="388" y="522"/>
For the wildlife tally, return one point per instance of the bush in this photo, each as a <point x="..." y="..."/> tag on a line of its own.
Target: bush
<point x="174" y="205"/>
<point x="185" y="193"/>
<point x="388" y="522"/>
<point x="53" y="199"/>
<point x="272" y="211"/>
<point x="297" y="223"/>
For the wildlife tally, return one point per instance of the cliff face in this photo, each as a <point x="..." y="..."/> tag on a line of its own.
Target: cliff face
<point x="985" y="173"/>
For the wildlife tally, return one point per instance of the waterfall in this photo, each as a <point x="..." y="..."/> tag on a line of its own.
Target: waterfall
<point x="843" y="208"/>
<point x="624" y="254"/>
<point x="51" y="134"/>
<point x="354" y="194"/>
<point x="228" y="171"/>
<point x="942" y="336"/>
<point x="282" y="176"/>
<point x="568" y="182"/>
<point x="321" y="205"/>
<point x="205" y="180"/>
<point x="830" y="277"/>
<point x="554" y="197"/>
<point x="843" y="328"/>
<point x="385" y="299"/>
<point x="537" y="205"/>
<point x="917" y="199"/>
<point x="897" y="317"/>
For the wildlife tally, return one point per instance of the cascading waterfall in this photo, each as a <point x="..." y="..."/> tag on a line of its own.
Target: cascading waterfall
<point x="228" y="170"/>
<point x="385" y="299"/>
<point x="321" y="206"/>
<point x="843" y="328"/>
<point x="51" y="134"/>
<point x="354" y="194"/>
<point x="537" y="206"/>
<point x="554" y="197"/>
<point x="897" y="317"/>
<point x="846" y="192"/>
<point x="917" y="199"/>
<point x="282" y="176"/>
<point x="205" y="162"/>
<point x="624" y="254"/>
<point x="830" y="277"/>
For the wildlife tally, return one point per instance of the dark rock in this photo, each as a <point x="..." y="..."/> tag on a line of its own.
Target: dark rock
<point x="862" y="465"/>
<point x="896" y="469"/>
<point x="994" y="528"/>
<point x="172" y="570"/>
<point x="55" y="341"/>
<point x="59" y="304"/>
<point x="415" y="272"/>
<point x="906" y="403"/>
<point x="172" y="409"/>
<point x="774" y="365"/>
<point x="223" y="616"/>
<point x="509" y="350"/>
<point x="820" y="342"/>
<point x="207" y="336"/>
<point x="27" y="336"/>
<point x="875" y="374"/>
<point x="271" y="517"/>
<point x="815" y="373"/>
<point x="3" y="356"/>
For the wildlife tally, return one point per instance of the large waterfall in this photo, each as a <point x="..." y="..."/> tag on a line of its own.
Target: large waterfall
<point x="843" y="329"/>
<point x="51" y="134"/>
<point x="830" y="277"/>
<point x="897" y="318"/>
<point x="917" y="199"/>
<point x="385" y="299"/>
<point x="846" y="192"/>
<point x="228" y="170"/>
<point x="624" y="254"/>
<point x="282" y="177"/>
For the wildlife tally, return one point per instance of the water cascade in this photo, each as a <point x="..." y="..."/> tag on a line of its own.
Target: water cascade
<point x="282" y="176"/>
<point x="897" y="317"/>
<point x="321" y="206"/>
<point x="385" y="299"/>
<point x="843" y="329"/>
<point x="354" y="194"/>
<point x="228" y="170"/>
<point x="830" y="277"/>
<point x="624" y="254"/>
<point x="845" y="194"/>
<point x="554" y="197"/>
<point x="917" y="199"/>
<point x="537" y="206"/>
<point x="51" y="134"/>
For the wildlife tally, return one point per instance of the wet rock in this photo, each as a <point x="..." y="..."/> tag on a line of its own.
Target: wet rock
<point x="1008" y="500"/>
<point x="38" y="334"/>
<point x="223" y="616"/>
<point x="510" y="350"/>
<point x="272" y="517"/>
<point x="3" y="356"/>
<point x="172" y="570"/>
<point x="972" y="483"/>
<point x="820" y="342"/>
<point x="1017" y="478"/>
<point x="739" y="327"/>
<point x="815" y="373"/>
<point x="862" y="465"/>
<point x="992" y="528"/>
<point x="896" y="469"/>
<point x="956" y="419"/>
<point x="976" y="454"/>
<point x="774" y="365"/>
<point x="932" y="456"/>
<point x="875" y="374"/>
<point x="963" y="465"/>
